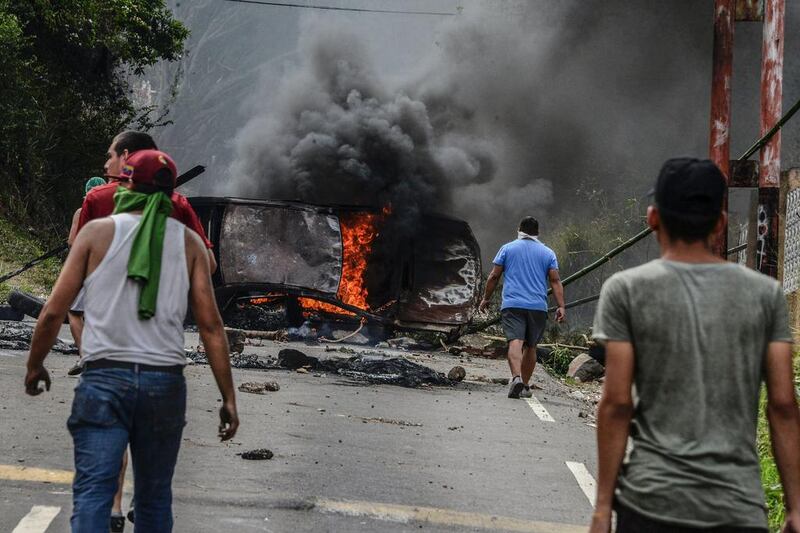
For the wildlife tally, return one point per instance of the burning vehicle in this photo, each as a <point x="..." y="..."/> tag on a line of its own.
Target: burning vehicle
<point x="344" y="263"/>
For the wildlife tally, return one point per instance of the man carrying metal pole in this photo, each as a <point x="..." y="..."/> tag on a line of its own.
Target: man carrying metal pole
<point x="528" y="266"/>
<point x="696" y="335"/>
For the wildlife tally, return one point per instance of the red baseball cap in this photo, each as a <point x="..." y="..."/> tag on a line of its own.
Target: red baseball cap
<point x="152" y="167"/>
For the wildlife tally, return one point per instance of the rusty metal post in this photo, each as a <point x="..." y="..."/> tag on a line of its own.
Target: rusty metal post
<point x="770" y="160"/>
<point x="719" y="139"/>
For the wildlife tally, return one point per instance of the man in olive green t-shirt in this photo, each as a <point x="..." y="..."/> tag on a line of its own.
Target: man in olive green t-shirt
<point x="694" y="336"/>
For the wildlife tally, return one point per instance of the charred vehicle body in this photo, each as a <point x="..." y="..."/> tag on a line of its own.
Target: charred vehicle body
<point x="343" y="263"/>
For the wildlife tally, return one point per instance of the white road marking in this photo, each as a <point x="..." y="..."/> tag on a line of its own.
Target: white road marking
<point x="37" y="520"/>
<point x="539" y="409"/>
<point x="584" y="479"/>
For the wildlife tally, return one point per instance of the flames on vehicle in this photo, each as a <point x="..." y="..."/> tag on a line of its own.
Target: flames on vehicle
<point x="310" y="264"/>
<point x="359" y="231"/>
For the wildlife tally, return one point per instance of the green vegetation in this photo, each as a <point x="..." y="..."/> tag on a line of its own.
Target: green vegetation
<point x="64" y="93"/>
<point x="601" y="225"/>
<point x="770" y="478"/>
<point x="559" y="360"/>
<point x="17" y="248"/>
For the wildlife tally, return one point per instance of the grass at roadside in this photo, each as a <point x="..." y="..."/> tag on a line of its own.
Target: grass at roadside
<point x="769" y="471"/>
<point x="17" y="248"/>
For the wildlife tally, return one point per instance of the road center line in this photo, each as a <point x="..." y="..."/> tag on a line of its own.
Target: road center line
<point x="584" y="479"/>
<point x="37" y="520"/>
<point x="405" y="514"/>
<point x="539" y="409"/>
<point x="25" y="473"/>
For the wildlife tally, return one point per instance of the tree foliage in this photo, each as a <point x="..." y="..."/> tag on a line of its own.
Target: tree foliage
<point x="65" y="67"/>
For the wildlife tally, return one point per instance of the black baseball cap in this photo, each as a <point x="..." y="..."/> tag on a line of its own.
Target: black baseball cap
<point x="690" y="187"/>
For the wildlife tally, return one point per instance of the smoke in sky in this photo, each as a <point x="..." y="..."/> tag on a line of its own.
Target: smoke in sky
<point x="508" y="114"/>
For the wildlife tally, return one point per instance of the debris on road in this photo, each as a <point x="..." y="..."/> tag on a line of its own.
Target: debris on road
<point x="259" y="388"/>
<point x="17" y="336"/>
<point x="457" y="373"/>
<point x="372" y="367"/>
<point x="197" y="356"/>
<point x="481" y="345"/>
<point x="236" y="339"/>
<point x="245" y="316"/>
<point x="408" y="343"/>
<point x="390" y="371"/>
<point x="25" y="303"/>
<point x="245" y="360"/>
<point x="584" y="368"/>
<point x="260" y="454"/>
<point x="381" y="420"/>
<point x="9" y="313"/>
<point x="280" y="335"/>
<point x="496" y="381"/>
<point x="294" y="359"/>
<point x="253" y="362"/>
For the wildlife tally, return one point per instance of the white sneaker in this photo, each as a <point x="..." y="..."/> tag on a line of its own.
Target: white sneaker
<point x="526" y="392"/>
<point x="515" y="387"/>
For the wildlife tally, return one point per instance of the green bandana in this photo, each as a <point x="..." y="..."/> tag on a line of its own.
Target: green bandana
<point x="144" y="263"/>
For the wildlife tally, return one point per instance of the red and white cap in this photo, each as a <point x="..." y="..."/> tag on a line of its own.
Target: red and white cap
<point x="151" y="167"/>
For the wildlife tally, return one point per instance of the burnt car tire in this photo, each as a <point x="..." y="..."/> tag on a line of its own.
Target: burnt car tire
<point x="25" y="303"/>
<point x="9" y="313"/>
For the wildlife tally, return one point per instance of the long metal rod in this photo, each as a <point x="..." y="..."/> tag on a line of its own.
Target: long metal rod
<point x="576" y="303"/>
<point x="738" y="248"/>
<point x="607" y="257"/>
<point x="189" y="175"/>
<point x="33" y="262"/>
<point x="351" y="9"/>
<point x="767" y="136"/>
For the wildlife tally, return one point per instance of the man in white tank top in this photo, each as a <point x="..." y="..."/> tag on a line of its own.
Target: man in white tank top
<point x="139" y="268"/>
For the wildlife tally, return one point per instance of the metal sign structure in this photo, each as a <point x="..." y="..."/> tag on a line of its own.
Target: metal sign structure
<point x="772" y="12"/>
<point x="791" y="245"/>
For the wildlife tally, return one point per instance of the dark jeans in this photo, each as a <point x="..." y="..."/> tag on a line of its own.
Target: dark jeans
<point x="629" y="521"/>
<point x="114" y="407"/>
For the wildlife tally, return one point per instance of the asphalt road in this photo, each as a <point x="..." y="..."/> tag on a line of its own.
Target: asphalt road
<point x="348" y="456"/>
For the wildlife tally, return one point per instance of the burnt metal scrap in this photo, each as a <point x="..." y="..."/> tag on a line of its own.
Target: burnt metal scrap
<point x="17" y="336"/>
<point x="371" y="367"/>
<point x="390" y="371"/>
<point x="281" y="253"/>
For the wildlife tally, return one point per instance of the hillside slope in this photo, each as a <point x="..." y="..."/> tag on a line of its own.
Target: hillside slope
<point x="17" y="247"/>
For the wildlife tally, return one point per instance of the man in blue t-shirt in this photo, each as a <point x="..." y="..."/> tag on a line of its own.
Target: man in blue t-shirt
<point x="529" y="266"/>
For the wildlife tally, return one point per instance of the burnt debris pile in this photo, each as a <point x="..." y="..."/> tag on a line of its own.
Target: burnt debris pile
<point x="370" y="367"/>
<point x="17" y="336"/>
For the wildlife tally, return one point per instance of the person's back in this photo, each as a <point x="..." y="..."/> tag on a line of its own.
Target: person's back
<point x="120" y="336"/>
<point x="689" y="338"/>
<point x="526" y="263"/>
<point x="528" y="267"/>
<point x="701" y="333"/>
<point x="139" y="268"/>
